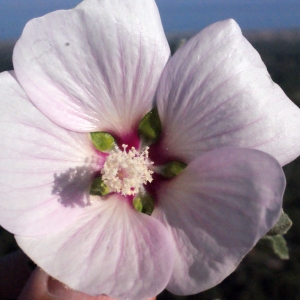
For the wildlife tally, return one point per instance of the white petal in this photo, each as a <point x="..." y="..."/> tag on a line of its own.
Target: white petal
<point x="45" y="170"/>
<point x="95" y="67"/>
<point x="216" y="210"/>
<point x="112" y="249"/>
<point x="215" y="92"/>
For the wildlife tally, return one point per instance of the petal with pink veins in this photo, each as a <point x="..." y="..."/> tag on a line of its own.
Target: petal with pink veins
<point x="216" y="91"/>
<point x="45" y="170"/>
<point x="95" y="67"/>
<point x="216" y="210"/>
<point x="112" y="249"/>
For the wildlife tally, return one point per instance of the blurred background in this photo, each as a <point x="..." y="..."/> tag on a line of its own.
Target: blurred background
<point x="273" y="28"/>
<point x="177" y="15"/>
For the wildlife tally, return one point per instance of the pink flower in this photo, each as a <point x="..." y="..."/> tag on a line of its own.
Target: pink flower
<point x="98" y="67"/>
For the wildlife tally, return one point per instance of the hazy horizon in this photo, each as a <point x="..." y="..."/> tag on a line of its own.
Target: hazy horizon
<point x="177" y="15"/>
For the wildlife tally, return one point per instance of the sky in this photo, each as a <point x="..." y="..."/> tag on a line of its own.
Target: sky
<point x="177" y="15"/>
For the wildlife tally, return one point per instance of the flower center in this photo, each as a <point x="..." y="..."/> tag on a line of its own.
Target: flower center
<point x="125" y="172"/>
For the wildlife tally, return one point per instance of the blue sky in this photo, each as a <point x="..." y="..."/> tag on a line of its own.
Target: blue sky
<point x="177" y="15"/>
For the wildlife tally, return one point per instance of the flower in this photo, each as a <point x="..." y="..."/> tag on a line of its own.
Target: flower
<point x="97" y="68"/>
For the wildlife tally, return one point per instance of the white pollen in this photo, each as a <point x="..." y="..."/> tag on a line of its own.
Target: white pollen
<point x="126" y="172"/>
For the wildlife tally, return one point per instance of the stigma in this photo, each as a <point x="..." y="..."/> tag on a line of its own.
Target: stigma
<point x="126" y="172"/>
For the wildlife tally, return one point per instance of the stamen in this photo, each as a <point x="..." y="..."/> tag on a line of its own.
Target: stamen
<point x="126" y="172"/>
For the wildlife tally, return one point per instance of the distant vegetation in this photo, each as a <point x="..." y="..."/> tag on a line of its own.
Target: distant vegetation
<point x="6" y="49"/>
<point x="260" y="276"/>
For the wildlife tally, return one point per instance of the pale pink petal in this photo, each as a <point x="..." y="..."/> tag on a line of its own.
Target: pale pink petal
<point x="45" y="170"/>
<point x="112" y="249"/>
<point x="215" y="91"/>
<point x="95" y="67"/>
<point x="216" y="210"/>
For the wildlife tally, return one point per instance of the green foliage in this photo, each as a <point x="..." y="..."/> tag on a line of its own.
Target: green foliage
<point x="150" y="127"/>
<point x="282" y="226"/>
<point x="103" y="141"/>
<point x="144" y="204"/>
<point x="275" y="244"/>
<point x="98" y="187"/>
<point x="173" y="168"/>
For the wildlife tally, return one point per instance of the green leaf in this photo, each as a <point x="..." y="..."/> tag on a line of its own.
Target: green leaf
<point x="98" y="187"/>
<point x="144" y="204"/>
<point x="173" y="168"/>
<point x="282" y="226"/>
<point x="275" y="244"/>
<point x="103" y="141"/>
<point x="150" y="127"/>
